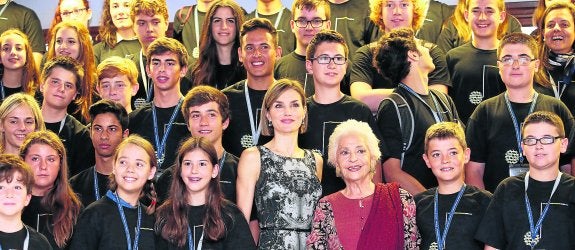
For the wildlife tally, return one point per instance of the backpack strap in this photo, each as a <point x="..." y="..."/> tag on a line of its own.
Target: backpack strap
<point x="184" y="20"/>
<point x="445" y="104"/>
<point x="405" y="118"/>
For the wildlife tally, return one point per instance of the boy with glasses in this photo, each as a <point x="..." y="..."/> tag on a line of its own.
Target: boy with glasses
<point x="309" y="18"/>
<point x="534" y="210"/>
<point x="493" y="130"/>
<point x="327" y="60"/>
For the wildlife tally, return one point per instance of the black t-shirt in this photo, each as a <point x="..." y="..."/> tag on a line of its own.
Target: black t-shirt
<point x="228" y="175"/>
<point x="322" y="120"/>
<point x="286" y="38"/>
<point x="468" y="214"/>
<point x="449" y="37"/>
<point x="40" y="219"/>
<point x="76" y="139"/>
<point x="491" y="136"/>
<point x="100" y="227"/>
<point x="16" y="240"/>
<point x="505" y="223"/>
<point x="83" y="185"/>
<point x="238" y="135"/>
<point x="391" y="134"/>
<point x="362" y="69"/>
<point x="568" y="93"/>
<point x="7" y="91"/>
<point x="474" y="77"/>
<point x="225" y="75"/>
<point x="25" y="19"/>
<point x="125" y="48"/>
<point x="351" y="20"/>
<point x="436" y="15"/>
<point x="292" y="66"/>
<point x="237" y="234"/>
<point x="142" y="123"/>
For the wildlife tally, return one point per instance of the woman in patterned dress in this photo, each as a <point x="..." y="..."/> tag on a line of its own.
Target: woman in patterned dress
<point x="280" y="177"/>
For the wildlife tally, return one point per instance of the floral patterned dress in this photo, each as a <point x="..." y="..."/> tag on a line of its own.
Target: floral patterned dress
<point x="286" y="194"/>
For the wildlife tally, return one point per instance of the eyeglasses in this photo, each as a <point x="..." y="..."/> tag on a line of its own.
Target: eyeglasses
<point x="323" y="59"/>
<point x="545" y="140"/>
<point x="522" y="60"/>
<point x="315" y="23"/>
<point x="75" y="12"/>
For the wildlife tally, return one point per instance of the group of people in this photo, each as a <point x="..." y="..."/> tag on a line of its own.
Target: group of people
<point x="395" y="124"/>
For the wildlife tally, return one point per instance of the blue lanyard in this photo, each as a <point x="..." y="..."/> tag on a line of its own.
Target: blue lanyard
<point x="96" y="189"/>
<point x="535" y="229"/>
<point x="516" y="124"/>
<point x="191" y="242"/>
<point x="440" y="238"/>
<point x="26" y="240"/>
<point x="121" y="203"/>
<point x="438" y="118"/>
<point x="161" y="145"/>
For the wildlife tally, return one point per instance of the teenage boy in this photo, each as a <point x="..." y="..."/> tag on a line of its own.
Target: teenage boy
<point x="369" y="86"/>
<point x="327" y="60"/>
<point x="16" y="180"/>
<point x="108" y="128"/>
<point x="150" y="18"/>
<point x="258" y="52"/>
<point x="207" y="114"/>
<point x="161" y="122"/>
<point x="309" y="17"/>
<point x="452" y="207"/>
<point x="534" y="210"/>
<point x="473" y="66"/>
<point x="118" y="80"/>
<point x="280" y="16"/>
<point x="61" y="80"/>
<point x="493" y="130"/>
<point x="407" y="62"/>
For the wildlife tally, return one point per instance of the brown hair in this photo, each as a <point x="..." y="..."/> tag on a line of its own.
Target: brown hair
<point x="150" y="8"/>
<point x="445" y="130"/>
<point x="544" y="117"/>
<point x="312" y="5"/>
<point x="107" y="30"/>
<point x="30" y="72"/>
<point x="58" y="19"/>
<point x="166" y="44"/>
<point x="325" y="36"/>
<point x="60" y="199"/>
<point x="10" y="165"/>
<point x="376" y="16"/>
<point x="203" y="94"/>
<point x="273" y="93"/>
<point x="172" y="222"/>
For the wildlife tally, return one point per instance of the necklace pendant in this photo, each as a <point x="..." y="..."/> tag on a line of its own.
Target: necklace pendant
<point x="433" y="246"/>
<point x="160" y="158"/>
<point x="361" y="203"/>
<point x="529" y="240"/>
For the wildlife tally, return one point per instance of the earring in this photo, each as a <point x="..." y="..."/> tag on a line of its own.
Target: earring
<point x="270" y="124"/>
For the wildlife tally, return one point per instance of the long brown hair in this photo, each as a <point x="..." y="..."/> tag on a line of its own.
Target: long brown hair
<point x="107" y="30"/>
<point x="30" y="72"/>
<point x="203" y="72"/>
<point x="173" y="216"/>
<point x="60" y="199"/>
<point x="58" y="18"/>
<point x="86" y="59"/>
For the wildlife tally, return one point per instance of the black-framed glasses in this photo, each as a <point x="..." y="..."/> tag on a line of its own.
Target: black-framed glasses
<point x="545" y="140"/>
<point x="302" y="23"/>
<point x="324" y="59"/>
<point x="521" y="60"/>
<point x="75" y="12"/>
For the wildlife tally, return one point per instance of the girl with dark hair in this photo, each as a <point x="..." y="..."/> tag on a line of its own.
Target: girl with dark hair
<point x="218" y="64"/>
<point x="196" y="214"/>
<point x="118" y="220"/>
<point x="54" y="206"/>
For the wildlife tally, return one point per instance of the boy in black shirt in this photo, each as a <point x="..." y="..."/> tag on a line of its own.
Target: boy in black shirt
<point x="534" y="210"/>
<point x="462" y="206"/>
<point x="16" y="180"/>
<point x="108" y="128"/>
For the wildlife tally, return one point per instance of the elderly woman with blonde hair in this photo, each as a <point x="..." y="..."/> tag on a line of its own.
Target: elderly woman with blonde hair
<point x="360" y="214"/>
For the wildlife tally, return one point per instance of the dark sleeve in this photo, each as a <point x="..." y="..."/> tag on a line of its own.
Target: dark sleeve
<point x="33" y="29"/>
<point x="569" y="125"/>
<point x="38" y="240"/>
<point x="391" y="135"/>
<point x="440" y="75"/>
<point x="83" y="154"/>
<point x="87" y="232"/>
<point x="476" y="134"/>
<point x="177" y="26"/>
<point x="448" y="38"/>
<point x="362" y="69"/>
<point x="491" y="230"/>
<point x="239" y="235"/>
